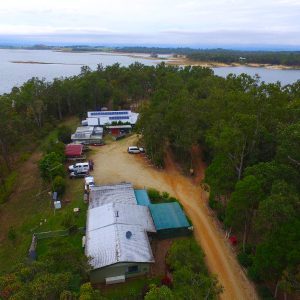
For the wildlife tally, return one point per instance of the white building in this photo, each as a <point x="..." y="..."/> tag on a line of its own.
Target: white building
<point x="117" y="241"/>
<point x="103" y="118"/>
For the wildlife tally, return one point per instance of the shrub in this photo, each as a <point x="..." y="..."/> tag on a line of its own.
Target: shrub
<point x="59" y="185"/>
<point x="51" y="166"/>
<point x="68" y="220"/>
<point x="64" y="134"/>
<point x="165" y="195"/>
<point x="154" y="194"/>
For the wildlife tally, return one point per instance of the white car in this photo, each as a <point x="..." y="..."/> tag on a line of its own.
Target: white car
<point x="133" y="150"/>
<point x="79" y="167"/>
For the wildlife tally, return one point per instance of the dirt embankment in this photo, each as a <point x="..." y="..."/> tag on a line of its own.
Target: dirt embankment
<point x="113" y="164"/>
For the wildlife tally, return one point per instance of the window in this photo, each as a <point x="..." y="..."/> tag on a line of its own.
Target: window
<point x="133" y="269"/>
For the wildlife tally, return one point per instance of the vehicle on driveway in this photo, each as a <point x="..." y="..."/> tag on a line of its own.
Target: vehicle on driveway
<point x="78" y="174"/>
<point x="80" y="167"/>
<point x="135" y="150"/>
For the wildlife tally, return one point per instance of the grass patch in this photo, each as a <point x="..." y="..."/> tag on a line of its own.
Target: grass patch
<point x="43" y="244"/>
<point x="8" y="187"/>
<point x="132" y="289"/>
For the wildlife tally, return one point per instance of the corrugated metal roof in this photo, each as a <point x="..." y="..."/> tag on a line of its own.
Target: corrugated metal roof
<point x="73" y="150"/>
<point x="118" y="213"/>
<point x="109" y="245"/>
<point x="168" y="215"/>
<point x="142" y="197"/>
<point x="118" y="193"/>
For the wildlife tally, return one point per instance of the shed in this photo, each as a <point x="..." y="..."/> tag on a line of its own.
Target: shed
<point x="142" y="197"/>
<point x="73" y="150"/>
<point x="169" y="220"/>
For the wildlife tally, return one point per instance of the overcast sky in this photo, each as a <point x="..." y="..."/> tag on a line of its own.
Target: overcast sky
<point x="182" y="22"/>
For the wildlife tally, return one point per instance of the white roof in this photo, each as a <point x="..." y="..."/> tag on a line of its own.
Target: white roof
<point x="118" y="193"/>
<point x="110" y="116"/>
<point x="118" y="243"/>
<point x="92" y="121"/>
<point x="119" y="213"/>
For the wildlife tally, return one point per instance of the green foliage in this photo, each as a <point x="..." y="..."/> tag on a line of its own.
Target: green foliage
<point x="64" y="134"/>
<point x="233" y="56"/>
<point x="88" y="293"/>
<point x="51" y="166"/>
<point x="159" y="293"/>
<point x="59" y="185"/>
<point x="191" y="279"/>
<point x="68" y="220"/>
<point x="12" y="234"/>
<point x="186" y="253"/>
<point x="8" y="186"/>
<point x="154" y="194"/>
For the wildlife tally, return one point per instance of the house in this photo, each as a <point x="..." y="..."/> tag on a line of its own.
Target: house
<point x="117" y="234"/>
<point x="121" y="222"/>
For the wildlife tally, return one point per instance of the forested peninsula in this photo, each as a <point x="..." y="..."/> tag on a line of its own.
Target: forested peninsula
<point x="249" y="133"/>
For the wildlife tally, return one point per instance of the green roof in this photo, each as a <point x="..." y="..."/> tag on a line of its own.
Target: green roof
<point x="168" y="215"/>
<point x="142" y="197"/>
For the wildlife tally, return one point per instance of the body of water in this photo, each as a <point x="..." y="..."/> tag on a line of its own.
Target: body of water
<point x="63" y="64"/>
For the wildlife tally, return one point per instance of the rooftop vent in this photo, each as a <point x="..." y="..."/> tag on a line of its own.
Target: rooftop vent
<point x="128" y="234"/>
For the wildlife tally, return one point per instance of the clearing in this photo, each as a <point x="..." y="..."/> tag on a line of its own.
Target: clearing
<point x="113" y="164"/>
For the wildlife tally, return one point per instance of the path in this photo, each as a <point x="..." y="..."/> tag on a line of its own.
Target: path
<point x="113" y="164"/>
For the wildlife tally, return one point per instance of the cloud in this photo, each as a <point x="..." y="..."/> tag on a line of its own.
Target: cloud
<point x="276" y="20"/>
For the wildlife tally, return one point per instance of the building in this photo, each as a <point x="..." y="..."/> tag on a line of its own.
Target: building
<point x="119" y="130"/>
<point x="103" y="118"/>
<point x="121" y="222"/>
<point x="117" y="234"/>
<point x="74" y="151"/>
<point x="169" y="220"/>
<point x="88" y="135"/>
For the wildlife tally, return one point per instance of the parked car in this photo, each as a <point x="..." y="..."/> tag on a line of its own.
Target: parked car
<point x="80" y="167"/>
<point x="135" y="150"/>
<point x="78" y="174"/>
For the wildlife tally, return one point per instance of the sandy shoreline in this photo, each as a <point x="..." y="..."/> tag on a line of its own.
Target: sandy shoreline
<point x="182" y="61"/>
<point x="41" y="63"/>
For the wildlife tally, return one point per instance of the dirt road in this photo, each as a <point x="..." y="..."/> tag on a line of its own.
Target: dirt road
<point x="113" y="164"/>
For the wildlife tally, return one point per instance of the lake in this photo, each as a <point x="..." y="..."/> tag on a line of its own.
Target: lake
<point x="63" y="64"/>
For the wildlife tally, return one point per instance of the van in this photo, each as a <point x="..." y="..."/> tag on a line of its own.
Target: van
<point x="80" y="167"/>
<point x="133" y="150"/>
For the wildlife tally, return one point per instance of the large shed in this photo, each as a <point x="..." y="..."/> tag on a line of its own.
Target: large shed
<point x="169" y="220"/>
<point x="73" y="150"/>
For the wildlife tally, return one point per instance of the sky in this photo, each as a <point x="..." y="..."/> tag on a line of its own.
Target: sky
<point x="143" y="22"/>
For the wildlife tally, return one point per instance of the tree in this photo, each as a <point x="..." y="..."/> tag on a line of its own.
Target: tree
<point x="51" y="166"/>
<point x="243" y="202"/>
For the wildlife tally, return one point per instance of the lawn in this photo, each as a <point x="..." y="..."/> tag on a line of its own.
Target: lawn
<point x="131" y="289"/>
<point x="30" y="205"/>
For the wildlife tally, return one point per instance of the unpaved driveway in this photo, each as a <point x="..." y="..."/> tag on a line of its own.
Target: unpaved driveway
<point x="113" y="164"/>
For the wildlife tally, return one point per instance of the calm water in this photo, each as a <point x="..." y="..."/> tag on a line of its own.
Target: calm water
<point x="68" y="64"/>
